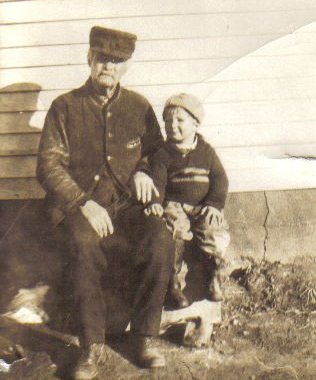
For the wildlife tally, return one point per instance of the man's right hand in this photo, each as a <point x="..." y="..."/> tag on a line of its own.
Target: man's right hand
<point x="98" y="218"/>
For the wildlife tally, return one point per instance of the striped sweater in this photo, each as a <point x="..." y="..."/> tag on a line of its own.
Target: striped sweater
<point x="194" y="177"/>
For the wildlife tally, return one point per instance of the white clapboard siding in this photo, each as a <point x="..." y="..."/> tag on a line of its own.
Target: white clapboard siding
<point x="174" y="72"/>
<point x="20" y="188"/>
<point x="17" y="166"/>
<point x="291" y="99"/>
<point x="274" y="135"/>
<point x="16" y="100"/>
<point x="37" y="11"/>
<point x="236" y="158"/>
<point x="252" y="63"/>
<point x="25" y="137"/>
<point x="158" y="27"/>
<point x="21" y="122"/>
<point x="271" y="134"/>
<point x="239" y="92"/>
<point x="273" y="171"/>
<point x="257" y="112"/>
<point x="19" y="144"/>
<point x="278" y="176"/>
<point x="282" y="174"/>
<point x="150" y="73"/>
<point x="154" y="50"/>
<point x="280" y="112"/>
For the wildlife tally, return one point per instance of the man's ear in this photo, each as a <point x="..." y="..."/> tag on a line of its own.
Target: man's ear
<point x="89" y="57"/>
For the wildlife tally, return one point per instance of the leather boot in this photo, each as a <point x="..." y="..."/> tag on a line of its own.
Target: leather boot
<point x="175" y="296"/>
<point x="215" y="290"/>
<point x="146" y="355"/>
<point x="87" y="366"/>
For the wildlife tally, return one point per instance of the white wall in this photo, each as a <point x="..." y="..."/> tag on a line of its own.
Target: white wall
<point x="252" y="63"/>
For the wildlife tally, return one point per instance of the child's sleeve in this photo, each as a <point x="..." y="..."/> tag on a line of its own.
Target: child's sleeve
<point x="158" y="165"/>
<point x="217" y="193"/>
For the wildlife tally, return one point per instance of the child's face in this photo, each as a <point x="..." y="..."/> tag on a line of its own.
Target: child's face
<point x="180" y="126"/>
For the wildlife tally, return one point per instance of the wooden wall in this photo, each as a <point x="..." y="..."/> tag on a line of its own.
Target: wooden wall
<point x="252" y="63"/>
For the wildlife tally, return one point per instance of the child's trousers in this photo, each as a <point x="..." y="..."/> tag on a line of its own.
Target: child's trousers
<point x="186" y="222"/>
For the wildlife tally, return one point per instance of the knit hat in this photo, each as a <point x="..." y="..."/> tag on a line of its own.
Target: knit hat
<point x="113" y="43"/>
<point x="187" y="101"/>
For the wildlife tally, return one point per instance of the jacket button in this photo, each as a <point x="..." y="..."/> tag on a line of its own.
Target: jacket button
<point x="109" y="158"/>
<point x="109" y="114"/>
<point x="110" y="134"/>
<point x="97" y="178"/>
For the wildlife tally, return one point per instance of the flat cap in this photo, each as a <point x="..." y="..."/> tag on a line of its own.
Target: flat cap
<point x="187" y="101"/>
<point x="113" y="43"/>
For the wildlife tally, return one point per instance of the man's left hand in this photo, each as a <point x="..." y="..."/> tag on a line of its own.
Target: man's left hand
<point x="144" y="187"/>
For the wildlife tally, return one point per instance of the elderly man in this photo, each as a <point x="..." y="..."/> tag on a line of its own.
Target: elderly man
<point x="93" y="150"/>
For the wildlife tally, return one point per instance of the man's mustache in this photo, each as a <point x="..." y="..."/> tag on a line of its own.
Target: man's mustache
<point x="106" y="73"/>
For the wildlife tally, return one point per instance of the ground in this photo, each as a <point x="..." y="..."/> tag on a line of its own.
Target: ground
<point x="268" y="332"/>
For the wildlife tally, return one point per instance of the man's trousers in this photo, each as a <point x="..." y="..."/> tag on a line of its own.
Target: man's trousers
<point x="149" y="254"/>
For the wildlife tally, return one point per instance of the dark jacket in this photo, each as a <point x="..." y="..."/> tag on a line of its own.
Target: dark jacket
<point x="195" y="177"/>
<point x="84" y="141"/>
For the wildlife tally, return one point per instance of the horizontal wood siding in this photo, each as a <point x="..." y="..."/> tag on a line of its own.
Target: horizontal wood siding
<point x="252" y="63"/>
<point x="53" y="10"/>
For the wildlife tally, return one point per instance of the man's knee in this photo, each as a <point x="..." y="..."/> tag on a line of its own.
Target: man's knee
<point x="81" y="232"/>
<point x="158" y="241"/>
<point x="85" y="246"/>
<point x="157" y="229"/>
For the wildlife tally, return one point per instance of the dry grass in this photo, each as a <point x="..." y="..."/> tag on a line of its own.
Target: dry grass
<point x="268" y="333"/>
<point x="277" y="286"/>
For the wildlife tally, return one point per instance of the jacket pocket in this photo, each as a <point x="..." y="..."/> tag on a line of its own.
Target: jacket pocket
<point x="133" y="144"/>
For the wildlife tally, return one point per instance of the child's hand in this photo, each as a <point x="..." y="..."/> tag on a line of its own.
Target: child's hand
<point x="154" y="209"/>
<point x="212" y="215"/>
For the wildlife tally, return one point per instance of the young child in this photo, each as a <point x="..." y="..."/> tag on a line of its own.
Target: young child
<point x="193" y="185"/>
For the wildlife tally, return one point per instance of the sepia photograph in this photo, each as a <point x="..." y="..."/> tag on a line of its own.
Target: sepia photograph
<point x="157" y="189"/>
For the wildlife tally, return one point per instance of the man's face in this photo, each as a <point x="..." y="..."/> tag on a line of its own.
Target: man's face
<point x="106" y="72"/>
<point x="180" y="126"/>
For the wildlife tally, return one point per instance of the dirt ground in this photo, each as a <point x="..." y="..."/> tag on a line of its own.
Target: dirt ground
<point x="268" y="332"/>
